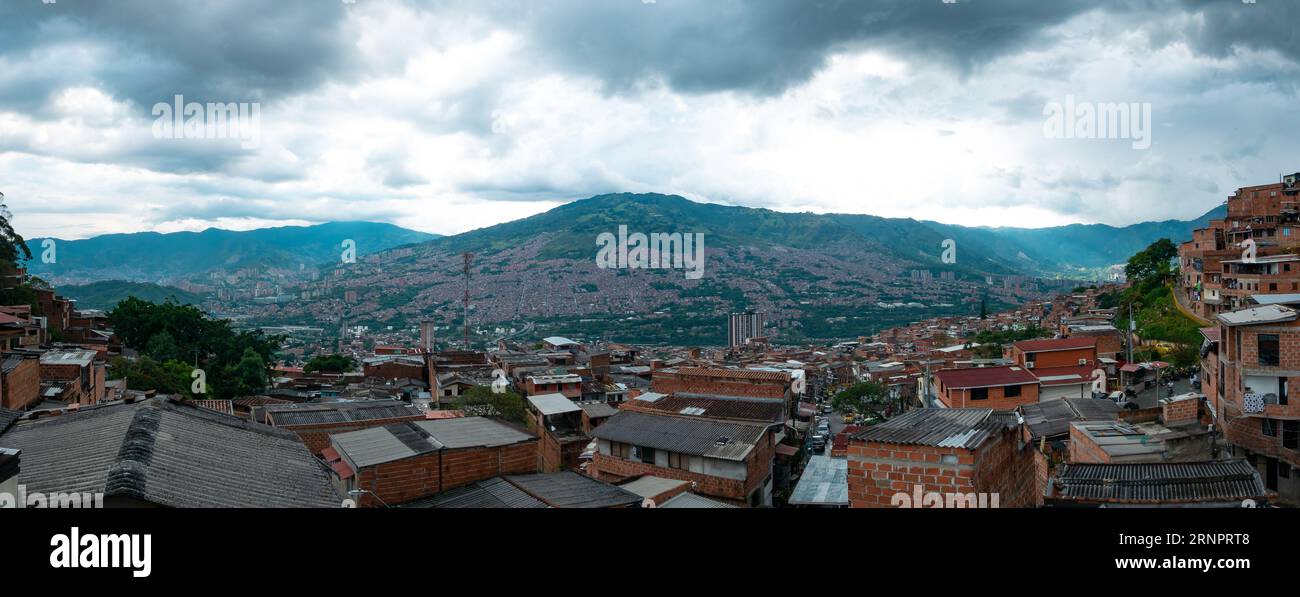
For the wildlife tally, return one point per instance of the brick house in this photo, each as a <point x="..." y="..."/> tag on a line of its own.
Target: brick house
<point x="1258" y="355"/>
<point x="394" y="367"/>
<point x="725" y="382"/>
<point x="998" y="388"/>
<point x="728" y="460"/>
<point x="20" y="382"/>
<point x="80" y="367"/>
<point x="1063" y="366"/>
<point x="949" y="452"/>
<point x="315" y="422"/>
<point x="567" y="384"/>
<point x="407" y="461"/>
<point x="559" y="424"/>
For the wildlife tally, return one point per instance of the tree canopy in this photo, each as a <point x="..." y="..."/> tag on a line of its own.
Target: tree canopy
<point x="331" y="363"/>
<point x="234" y="362"/>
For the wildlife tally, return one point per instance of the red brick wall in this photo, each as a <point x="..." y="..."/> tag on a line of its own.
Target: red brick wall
<point x="1056" y="358"/>
<point x="425" y="475"/>
<point x="1084" y="450"/>
<point x="610" y="468"/>
<point x="394" y="370"/>
<point x="1176" y="412"/>
<point x="997" y="399"/>
<point x="878" y="471"/>
<point x="668" y="383"/>
<point x="21" y="387"/>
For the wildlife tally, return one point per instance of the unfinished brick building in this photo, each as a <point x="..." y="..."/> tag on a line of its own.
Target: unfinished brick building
<point x="950" y="453"/>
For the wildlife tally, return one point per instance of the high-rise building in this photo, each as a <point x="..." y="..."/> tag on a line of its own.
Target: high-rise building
<point x="743" y="326"/>
<point x="427" y="336"/>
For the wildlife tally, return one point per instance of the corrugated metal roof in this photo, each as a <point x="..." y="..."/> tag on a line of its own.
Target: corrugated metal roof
<point x="825" y="482"/>
<point x="1256" y="315"/>
<point x="488" y="493"/>
<point x="473" y="432"/>
<point x="553" y="404"/>
<point x="1155" y="483"/>
<point x="701" y="437"/>
<point x="368" y="447"/>
<point x="1046" y="419"/>
<point x="571" y="490"/>
<point x="942" y="427"/>
<point x="691" y="500"/>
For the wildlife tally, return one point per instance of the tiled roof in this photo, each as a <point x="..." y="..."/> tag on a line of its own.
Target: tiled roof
<point x="983" y="377"/>
<point x="172" y="455"/>
<point x="940" y="427"/>
<point x="1056" y="344"/>
<point x="221" y="406"/>
<point x="700" y="437"/>
<point x="1158" y="483"/>
<point x="734" y="373"/>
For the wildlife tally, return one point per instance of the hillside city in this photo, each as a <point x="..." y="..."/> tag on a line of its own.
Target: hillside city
<point x="520" y="380"/>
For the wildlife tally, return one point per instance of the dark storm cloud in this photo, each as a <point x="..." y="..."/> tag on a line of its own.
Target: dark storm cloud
<point x="150" y="50"/>
<point x="765" y="46"/>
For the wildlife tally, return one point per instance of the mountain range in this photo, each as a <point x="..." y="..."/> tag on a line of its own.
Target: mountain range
<point x="158" y="257"/>
<point x="817" y="276"/>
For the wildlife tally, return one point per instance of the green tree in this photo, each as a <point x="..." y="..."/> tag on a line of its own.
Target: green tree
<point x="248" y="376"/>
<point x="482" y="401"/>
<point x="1152" y="263"/>
<point x="333" y="363"/>
<point x="213" y="344"/>
<point x="162" y="347"/>
<point x="862" y="397"/>
<point x="12" y="246"/>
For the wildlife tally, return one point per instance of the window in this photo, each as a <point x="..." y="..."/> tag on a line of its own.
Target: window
<point x="1269" y="427"/>
<point x="1290" y="434"/>
<point x="979" y="394"/>
<point x="647" y="455"/>
<point x="678" y="461"/>
<point x="1011" y="391"/>
<point x="619" y="450"/>
<point x="1268" y="350"/>
<point x="1272" y="286"/>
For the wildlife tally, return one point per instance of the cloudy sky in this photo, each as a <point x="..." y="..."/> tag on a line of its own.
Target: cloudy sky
<point x="446" y="116"/>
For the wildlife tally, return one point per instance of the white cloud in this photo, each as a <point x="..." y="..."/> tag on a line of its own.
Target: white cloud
<point x="454" y="122"/>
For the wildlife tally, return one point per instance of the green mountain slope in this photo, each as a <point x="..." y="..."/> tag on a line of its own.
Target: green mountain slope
<point x="150" y="256"/>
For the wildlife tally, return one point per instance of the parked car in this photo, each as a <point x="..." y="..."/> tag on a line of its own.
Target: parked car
<point x="817" y="443"/>
<point x="827" y="409"/>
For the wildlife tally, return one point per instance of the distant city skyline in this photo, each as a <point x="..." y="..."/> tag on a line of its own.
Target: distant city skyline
<point x="449" y="116"/>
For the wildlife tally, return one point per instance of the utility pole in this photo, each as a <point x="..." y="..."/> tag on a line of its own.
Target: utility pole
<point x="466" y="257"/>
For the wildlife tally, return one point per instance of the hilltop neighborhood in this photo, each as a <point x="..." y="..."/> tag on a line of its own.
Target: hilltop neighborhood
<point x="1060" y="402"/>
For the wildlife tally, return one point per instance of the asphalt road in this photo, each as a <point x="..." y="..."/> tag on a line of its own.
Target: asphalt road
<point x="1150" y="398"/>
